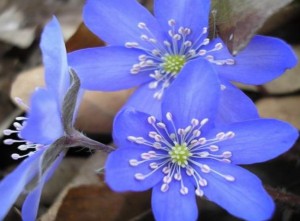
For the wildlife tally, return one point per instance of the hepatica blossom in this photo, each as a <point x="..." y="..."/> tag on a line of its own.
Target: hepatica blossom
<point x="150" y="51"/>
<point x="42" y="127"/>
<point x="183" y="154"/>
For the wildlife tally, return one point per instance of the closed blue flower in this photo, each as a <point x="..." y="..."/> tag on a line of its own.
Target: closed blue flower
<point x="152" y="51"/>
<point x="184" y="154"/>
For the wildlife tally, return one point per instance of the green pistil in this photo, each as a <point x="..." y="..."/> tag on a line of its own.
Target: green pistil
<point x="180" y="155"/>
<point x="173" y="63"/>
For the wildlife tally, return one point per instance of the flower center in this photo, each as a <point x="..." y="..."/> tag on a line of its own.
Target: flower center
<point x="173" y="63"/>
<point x="180" y="155"/>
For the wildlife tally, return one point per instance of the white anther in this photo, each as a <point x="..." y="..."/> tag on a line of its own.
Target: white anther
<point x="187" y="129"/>
<point x="205" y="168"/>
<point x="230" y="135"/>
<point x="204" y="30"/>
<point x="192" y="52"/>
<point x="226" y="161"/>
<point x="229" y="178"/>
<point x="21" y="118"/>
<point x="142" y="57"/>
<point x="196" y="133"/>
<point x="219" y="62"/>
<point x="149" y="62"/>
<point x="151" y="120"/>
<point x="171" y="22"/>
<point x="204" y="154"/>
<point x="170" y="32"/>
<point x="202" y="140"/>
<point x="145" y="156"/>
<point x="181" y="131"/>
<point x="153" y="165"/>
<point x="152" y="134"/>
<point x="189" y="171"/>
<point x="18" y="126"/>
<point x="220" y="136"/>
<point x="166" y="170"/>
<point x="131" y="44"/>
<point x="195" y="122"/>
<point x="194" y="142"/>
<point x="157" y="145"/>
<point x="139" y="176"/>
<point x="204" y="121"/>
<point x="15" y="156"/>
<point x="202" y="52"/>
<point x="167" y="179"/>
<point x="213" y="148"/>
<point x="152" y="153"/>
<point x="187" y="43"/>
<point x="229" y="61"/>
<point x="164" y="187"/>
<point x="223" y="87"/>
<point x="133" y="162"/>
<point x="142" y="25"/>
<point x="184" y="190"/>
<point x="169" y="116"/>
<point x="218" y="46"/>
<point x="153" y="84"/>
<point x="177" y="37"/>
<point x="153" y="40"/>
<point x="173" y="136"/>
<point x="155" y="52"/>
<point x="144" y="37"/>
<point x="139" y="140"/>
<point x="199" y="192"/>
<point x="177" y="176"/>
<point x="166" y="43"/>
<point x="158" y="138"/>
<point x="161" y="125"/>
<point x="134" y="70"/>
<point x="202" y="182"/>
<point x="158" y="95"/>
<point x="206" y="41"/>
<point x="24" y="147"/>
<point x="210" y="58"/>
<point x="227" y="154"/>
<point x="9" y="141"/>
<point x="8" y="132"/>
<point x="181" y="30"/>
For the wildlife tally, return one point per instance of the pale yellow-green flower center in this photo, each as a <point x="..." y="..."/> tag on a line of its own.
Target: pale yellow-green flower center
<point x="173" y="63"/>
<point x="180" y="154"/>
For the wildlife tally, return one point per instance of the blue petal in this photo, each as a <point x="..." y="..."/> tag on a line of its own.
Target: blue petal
<point x="55" y="59"/>
<point x="193" y="94"/>
<point x="142" y="100"/>
<point x="257" y="140"/>
<point x="264" y="59"/>
<point x="14" y="183"/>
<point x="31" y="203"/>
<point x="44" y="119"/>
<point x="107" y="68"/>
<point x="245" y="197"/>
<point x="130" y="122"/>
<point x="119" y="174"/>
<point x="234" y="105"/>
<point x="172" y="205"/>
<point x="186" y="13"/>
<point x="116" y="21"/>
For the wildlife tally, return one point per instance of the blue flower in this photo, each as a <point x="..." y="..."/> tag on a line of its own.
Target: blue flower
<point x="184" y="154"/>
<point x="41" y="128"/>
<point x="151" y="52"/>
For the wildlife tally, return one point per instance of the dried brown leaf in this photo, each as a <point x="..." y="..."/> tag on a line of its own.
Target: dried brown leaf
<point x="237" y="21"/>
